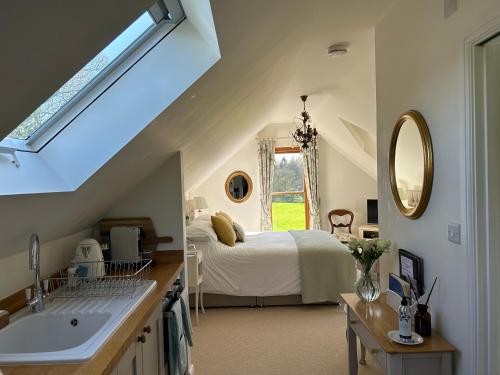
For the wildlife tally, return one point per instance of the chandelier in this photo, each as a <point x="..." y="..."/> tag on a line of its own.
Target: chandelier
<point x="305" y="135"/>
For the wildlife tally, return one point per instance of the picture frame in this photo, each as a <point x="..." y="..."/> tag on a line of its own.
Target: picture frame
<point x="411" y="267"/>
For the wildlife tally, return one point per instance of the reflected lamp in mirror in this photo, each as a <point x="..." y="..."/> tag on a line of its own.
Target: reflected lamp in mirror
<point x="411" y="165"/>
<point x="199" y="203"/>
<point x="238" y="187"/>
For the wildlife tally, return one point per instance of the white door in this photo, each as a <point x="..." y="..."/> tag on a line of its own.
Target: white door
<point x="492" y="91"/>
<point x="152" y="348"/>
<point x="131" y="362"/>
<point x="486" y="57"/>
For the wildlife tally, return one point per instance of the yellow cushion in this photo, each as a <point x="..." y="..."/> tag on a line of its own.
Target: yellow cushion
<point x="224" y="229"/>
<point x="222" y="213"/>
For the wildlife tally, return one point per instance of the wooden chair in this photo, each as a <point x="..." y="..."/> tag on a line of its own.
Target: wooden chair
<point x="341" y="212"/>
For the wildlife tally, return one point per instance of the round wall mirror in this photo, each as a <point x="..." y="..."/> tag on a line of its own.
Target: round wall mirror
<point x="238" y="186"/>
<point x="411" y="164"/>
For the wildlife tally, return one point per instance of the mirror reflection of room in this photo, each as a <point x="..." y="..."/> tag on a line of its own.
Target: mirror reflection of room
<point x="409" y="163"/>
<point x="238" y="187"/>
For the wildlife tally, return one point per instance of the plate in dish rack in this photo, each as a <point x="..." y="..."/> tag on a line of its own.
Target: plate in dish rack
<point x="416" y="339"/>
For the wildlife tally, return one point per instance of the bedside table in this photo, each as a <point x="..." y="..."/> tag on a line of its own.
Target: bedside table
<point x="195" y="278"/>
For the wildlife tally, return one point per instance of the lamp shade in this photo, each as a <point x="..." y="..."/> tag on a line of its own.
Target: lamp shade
<point x="199" y="203"/>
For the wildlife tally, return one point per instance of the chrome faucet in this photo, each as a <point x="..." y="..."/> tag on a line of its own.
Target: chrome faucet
<point x="35" y="303"/>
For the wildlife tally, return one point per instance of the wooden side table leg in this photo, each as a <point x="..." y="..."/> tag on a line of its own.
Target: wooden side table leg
<point x="362" y="360"/>
<point x="201" y="299"/>
<point x="197" y="296"/>
<point x="352" y="346"/>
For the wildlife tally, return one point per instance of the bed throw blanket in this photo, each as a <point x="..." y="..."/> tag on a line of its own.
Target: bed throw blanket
<point x="326" y="267"/>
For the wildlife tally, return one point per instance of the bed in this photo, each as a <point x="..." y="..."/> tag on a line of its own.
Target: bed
<point x="269" y="267"/>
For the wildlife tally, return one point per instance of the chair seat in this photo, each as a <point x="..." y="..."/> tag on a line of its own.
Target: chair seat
<point x="344" y="237"/>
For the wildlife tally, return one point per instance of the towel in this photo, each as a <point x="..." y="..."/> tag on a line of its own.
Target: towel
<point x="177" y="346"/>
<point x="186" y="317"/>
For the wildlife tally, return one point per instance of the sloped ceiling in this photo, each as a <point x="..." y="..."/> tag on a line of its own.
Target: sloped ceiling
<point x="272" y="51"/>
<point x="45" y="42"/>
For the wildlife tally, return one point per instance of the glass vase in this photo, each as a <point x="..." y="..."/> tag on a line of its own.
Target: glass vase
<point x="367" y="286"/>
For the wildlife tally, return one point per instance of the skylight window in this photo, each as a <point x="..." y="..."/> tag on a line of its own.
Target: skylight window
<point x="84" y="80"/>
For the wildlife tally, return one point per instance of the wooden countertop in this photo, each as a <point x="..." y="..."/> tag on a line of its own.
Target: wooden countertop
<point x="379" y="318"/>
<point x="105" y="360"/>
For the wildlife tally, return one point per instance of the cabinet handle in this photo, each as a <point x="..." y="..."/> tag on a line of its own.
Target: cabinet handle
<point x="141" y="339"/>
<point x="374" y="351"/>
<point x="353" y="321"/>
<point x="147" y="329"/>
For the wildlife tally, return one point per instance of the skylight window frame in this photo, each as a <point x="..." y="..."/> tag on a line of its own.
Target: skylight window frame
<point x="29" y="144"/>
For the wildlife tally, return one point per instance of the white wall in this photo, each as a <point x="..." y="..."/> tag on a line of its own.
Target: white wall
<point x="213" y="188"/>
<point x="430" y="79"/>
<point x="159" y="196"/>
<point x="342" y="185"/>
<point x="54" y="256"/>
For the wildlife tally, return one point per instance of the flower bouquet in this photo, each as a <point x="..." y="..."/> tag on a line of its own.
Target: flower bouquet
<point x="367" y="253"/>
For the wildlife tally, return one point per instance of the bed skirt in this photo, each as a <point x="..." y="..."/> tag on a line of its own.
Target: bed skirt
<point x="222" y="300"/>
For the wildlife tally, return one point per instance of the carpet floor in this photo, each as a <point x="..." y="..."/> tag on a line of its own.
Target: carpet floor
<point x="296" y="340"/>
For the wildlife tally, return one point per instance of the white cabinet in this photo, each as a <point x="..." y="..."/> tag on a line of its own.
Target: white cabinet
<point x="145" y="355"/>
<point x="131" y="362"/>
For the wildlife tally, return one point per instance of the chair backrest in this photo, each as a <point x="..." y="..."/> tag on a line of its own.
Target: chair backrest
<point x="341" y="212"/>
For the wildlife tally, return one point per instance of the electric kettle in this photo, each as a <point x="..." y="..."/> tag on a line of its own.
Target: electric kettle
<point x="88" y="259"/>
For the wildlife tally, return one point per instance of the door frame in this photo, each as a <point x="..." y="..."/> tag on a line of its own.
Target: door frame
<point x="477" y="219"/>
<point x="294" y="150"/>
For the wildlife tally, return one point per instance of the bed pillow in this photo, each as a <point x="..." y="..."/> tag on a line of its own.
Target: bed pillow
<point x="222" y="213"/>
<point x="204" y="226"/>
<point x="196" y="234"/>
<point x="240" y="232"/>
<point x="205" y="217"/>
<point x="224" y="229"/>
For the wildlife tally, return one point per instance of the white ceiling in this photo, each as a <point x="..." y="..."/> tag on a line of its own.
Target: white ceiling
<point x="272" y="51"/>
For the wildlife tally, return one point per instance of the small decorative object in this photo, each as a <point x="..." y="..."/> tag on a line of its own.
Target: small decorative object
<point x="411" y="268"/>
<point x="423" y="322"/>
<point x="366" y="253"/>
<point x="404" y="317"/>
<point x="415" y="339"/>
<point x="305" y="135"/>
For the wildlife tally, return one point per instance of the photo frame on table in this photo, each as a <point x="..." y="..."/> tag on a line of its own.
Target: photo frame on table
<point x="411" y="268"/>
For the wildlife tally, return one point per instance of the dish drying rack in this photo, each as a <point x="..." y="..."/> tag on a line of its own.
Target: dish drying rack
<point x="99" y="279"/>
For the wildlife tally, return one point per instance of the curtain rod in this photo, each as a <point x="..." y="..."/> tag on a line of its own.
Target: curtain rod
<point x="258" y="138"/>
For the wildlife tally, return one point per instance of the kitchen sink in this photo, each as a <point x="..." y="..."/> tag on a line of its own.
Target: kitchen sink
<point x="68" y="330"/>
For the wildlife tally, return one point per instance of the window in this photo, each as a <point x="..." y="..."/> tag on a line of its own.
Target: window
<point x="85" y="79"/>
<point x="289" y="206"/>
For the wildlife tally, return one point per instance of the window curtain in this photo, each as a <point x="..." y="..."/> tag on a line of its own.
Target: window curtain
<point x="266" y="174"/>
<point x="311" y="169"/>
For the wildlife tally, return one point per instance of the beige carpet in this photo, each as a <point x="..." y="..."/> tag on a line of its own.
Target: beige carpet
<point x="298" y="340"/>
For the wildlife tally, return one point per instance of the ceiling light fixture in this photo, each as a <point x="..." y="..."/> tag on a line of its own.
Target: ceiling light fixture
<point x="305" y="135"/>
<point x="337" y="50"/>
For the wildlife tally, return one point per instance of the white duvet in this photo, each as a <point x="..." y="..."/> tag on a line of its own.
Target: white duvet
<point x="266" y="264"/>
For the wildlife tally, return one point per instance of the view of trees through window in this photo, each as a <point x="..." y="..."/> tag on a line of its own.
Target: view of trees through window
<point x="82" y="78"/>
<point x="289" y="206"/>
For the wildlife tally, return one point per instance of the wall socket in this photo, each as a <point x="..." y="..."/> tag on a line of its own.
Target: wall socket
<point x="454" y="233"/>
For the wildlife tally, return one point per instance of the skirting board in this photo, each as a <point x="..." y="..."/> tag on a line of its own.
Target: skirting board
<point x="222" y="300"/>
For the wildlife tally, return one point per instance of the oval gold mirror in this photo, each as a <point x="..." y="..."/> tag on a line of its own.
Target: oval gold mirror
<point x="238" y="186"/>
<point x="411" y="165"/>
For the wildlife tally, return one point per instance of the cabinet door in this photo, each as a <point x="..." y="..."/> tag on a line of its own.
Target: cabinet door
<point x="131" y="362"/>
<point x="152" y="348"/>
